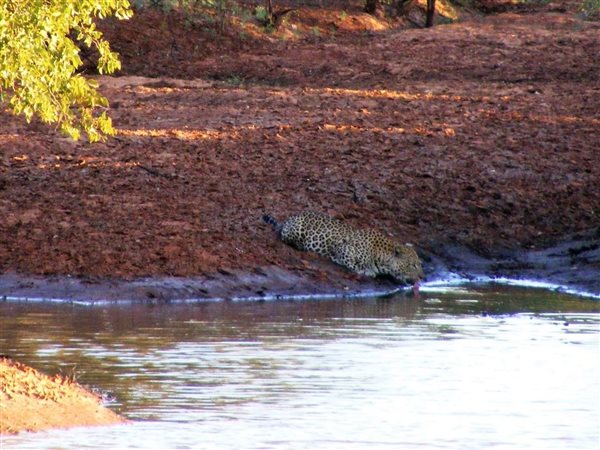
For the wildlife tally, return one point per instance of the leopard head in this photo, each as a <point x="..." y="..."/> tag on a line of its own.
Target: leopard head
<point x="404" y="265"/>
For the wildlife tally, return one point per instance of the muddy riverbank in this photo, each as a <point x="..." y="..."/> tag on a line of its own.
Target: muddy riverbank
<point x="476" y="141"/>
<point x="573" y="264"/>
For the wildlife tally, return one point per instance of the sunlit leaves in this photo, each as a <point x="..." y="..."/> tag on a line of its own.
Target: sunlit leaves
<point x="39" y="57"/>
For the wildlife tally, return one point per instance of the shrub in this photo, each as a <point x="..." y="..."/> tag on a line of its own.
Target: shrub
<point x="39" y="58"/>
<point x="590" y="7"/>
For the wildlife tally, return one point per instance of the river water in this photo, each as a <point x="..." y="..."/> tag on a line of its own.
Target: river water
<point x="489" y="367"/>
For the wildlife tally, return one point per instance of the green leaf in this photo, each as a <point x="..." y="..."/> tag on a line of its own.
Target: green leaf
<point x="39" y="60"/>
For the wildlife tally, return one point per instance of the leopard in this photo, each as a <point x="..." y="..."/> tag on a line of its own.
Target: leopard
<point x="366" y="252"/>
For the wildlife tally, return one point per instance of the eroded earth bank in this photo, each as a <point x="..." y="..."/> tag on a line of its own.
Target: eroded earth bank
<point x="477" y="141"/>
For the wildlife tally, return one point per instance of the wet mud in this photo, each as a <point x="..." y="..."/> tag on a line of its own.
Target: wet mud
<point x="573" y="264"/>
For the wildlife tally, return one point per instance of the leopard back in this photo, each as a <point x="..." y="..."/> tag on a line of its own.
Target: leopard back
<point x="313" y="232"/>
<point x="366" y="252"/>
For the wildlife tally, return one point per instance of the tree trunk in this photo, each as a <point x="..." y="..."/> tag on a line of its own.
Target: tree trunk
<point x="401" y="6"/>
<point x="269" y="8"/>
<point x="430" y="13"/>
<point x="371" y="6"/>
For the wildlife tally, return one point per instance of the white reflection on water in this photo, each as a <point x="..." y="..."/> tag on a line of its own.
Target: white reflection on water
<point x="425" y="381"/>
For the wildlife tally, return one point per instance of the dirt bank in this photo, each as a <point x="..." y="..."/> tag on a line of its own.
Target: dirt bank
<point x="480" y="135"/>
<point x="32" y="401"/>
<point x="574" y="263"/>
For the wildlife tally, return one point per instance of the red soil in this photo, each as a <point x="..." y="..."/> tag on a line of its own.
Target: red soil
<point x="482" y="133"/>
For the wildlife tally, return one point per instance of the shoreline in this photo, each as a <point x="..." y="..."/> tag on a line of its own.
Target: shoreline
<point x="572" y="265"/>
<point x="33" y="401"/>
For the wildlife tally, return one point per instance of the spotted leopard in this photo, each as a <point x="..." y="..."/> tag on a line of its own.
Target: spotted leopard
<point x="364" y="251"/>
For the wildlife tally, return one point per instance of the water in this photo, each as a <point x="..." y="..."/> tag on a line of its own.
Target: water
<point x="493" y="367"/>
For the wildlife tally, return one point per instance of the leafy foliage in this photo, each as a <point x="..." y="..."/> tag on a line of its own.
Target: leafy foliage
<point x="39" y="57"/>
<point x="590" y="7"/>
<point x="217" y="11"/>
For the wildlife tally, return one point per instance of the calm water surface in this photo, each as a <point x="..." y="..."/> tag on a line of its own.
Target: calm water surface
<point x="488" y="368"/>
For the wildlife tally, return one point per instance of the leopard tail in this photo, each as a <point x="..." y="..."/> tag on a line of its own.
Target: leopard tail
<point x="271" y="221"/>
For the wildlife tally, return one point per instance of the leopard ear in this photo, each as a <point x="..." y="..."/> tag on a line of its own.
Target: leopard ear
<point x="398" y="251"/>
